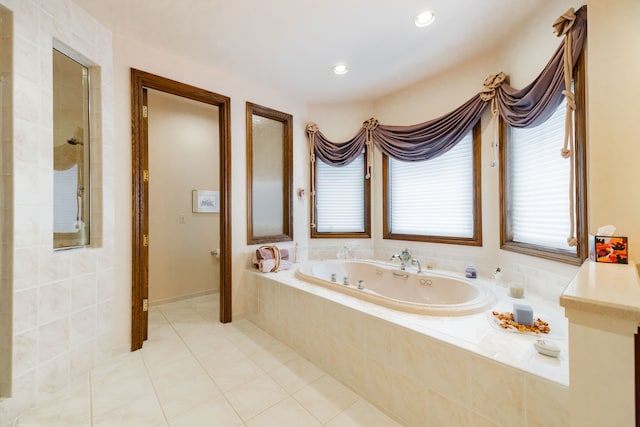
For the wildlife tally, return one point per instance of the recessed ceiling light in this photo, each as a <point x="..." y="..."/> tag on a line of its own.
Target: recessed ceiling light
<point x="425" y="18"/>
<point x="340" y="69"/>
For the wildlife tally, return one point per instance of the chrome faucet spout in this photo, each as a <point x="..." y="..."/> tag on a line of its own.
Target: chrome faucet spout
<point x="416" y="262"/>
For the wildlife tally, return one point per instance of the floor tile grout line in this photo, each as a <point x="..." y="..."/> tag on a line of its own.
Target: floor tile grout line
<point x="91" y="398"/>
<point x="302" y="405"/>
<point x="291" y="395"/>
<point x="274" y="379"/>
<point x="224" y="395"/>
<point x="359" y="399"/>
<point x="229" y="336"/>
<point x="155" y="391"/>
<point x="264" y="372"/>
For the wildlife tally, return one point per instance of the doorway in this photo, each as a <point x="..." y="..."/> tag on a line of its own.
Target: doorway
<point x="141" y="82"/>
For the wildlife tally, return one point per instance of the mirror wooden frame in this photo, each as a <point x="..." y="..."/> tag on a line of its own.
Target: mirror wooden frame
<point x="287" y="173"/>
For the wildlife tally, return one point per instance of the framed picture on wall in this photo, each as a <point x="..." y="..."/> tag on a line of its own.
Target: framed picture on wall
<point x="205" y="201"/>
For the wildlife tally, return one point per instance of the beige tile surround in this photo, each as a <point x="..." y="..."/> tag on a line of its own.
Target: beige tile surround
<point x="6" y="200"/>
<point x="62" y="300"/>
<point x="415" y="378"/>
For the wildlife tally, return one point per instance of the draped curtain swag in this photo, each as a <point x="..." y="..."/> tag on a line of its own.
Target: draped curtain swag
<point x="66" y="156"/>
<point x="527" y="107"/>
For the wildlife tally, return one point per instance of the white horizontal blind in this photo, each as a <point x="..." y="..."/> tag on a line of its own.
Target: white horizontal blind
<point x="340" y="197"/>
<point x="434" y="197"/>
<point x="65" y="200"/>
<point x="538" y="184"/>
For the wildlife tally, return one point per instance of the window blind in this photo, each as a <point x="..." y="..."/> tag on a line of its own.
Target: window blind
<point x="538" y="178"/>
<point x="340" y="197"/>
<point x="65" y="209"/>
<point x="434" y="197"/>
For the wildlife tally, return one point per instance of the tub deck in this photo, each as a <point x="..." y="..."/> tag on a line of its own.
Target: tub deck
<point x="476" y="332"/>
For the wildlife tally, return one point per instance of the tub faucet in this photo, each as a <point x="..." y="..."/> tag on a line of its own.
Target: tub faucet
<point x="416" y="262"/>
<point x="394" y="256"/>
<point x="404" y="258"/>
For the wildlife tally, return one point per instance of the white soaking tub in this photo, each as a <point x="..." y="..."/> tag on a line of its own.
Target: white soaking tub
<point x="389" y="286"/>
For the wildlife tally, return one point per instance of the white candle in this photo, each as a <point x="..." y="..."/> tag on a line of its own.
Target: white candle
<point x="516" y="291"/>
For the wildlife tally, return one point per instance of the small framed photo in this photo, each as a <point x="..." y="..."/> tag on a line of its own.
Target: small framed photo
<point x="205" y="201"/>
<point x="612" y="249"/>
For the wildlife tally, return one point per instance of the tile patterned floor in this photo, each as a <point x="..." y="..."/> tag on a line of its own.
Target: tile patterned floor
<point x="194" y="371"/>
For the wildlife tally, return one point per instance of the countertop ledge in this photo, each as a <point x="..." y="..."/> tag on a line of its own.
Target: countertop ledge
<point x="611" y="290"/>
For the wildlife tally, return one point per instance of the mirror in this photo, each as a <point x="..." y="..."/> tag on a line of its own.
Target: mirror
<point x="269" y="175"/>
<point x="70" y="152"/>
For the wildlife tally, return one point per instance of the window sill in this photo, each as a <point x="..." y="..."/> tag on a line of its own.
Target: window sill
<point x="542" y="252"/>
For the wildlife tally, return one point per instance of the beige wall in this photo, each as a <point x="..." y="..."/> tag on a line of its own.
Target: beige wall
<point x="433" y="99"/>
<point x="339" y="122"/>
<point x="183" y="156"/>
<point x="613" y="73"/>
<point x="66" y="304"/>
<point x="129" y="53"/>
<point x="425" y="101"/>
<point x="522" y="56"/>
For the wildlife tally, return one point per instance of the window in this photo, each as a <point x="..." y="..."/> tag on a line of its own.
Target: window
<point x="71" y="204"/>
<point x="535" y="181"/>
<point x="436" y="200"/>
<point x="342" y="206"/>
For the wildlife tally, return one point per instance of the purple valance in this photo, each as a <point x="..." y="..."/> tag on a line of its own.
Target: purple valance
<point x="536" y="102"/>
<point x="336" y="153"/>
<point x="526" y="107"/>
<point x="430" y="139"/>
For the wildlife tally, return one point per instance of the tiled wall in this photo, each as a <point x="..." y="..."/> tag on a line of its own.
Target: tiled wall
<point x="416" y="379"/>
<point x="6" y="191"/>
<point x="546" y="279"/>
<point x="62" y="301"/>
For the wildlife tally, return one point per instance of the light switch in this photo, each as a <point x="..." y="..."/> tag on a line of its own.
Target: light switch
<point x="181" y="220"/>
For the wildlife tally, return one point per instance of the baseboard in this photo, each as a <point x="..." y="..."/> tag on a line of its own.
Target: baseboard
<point x="182" y="297"/>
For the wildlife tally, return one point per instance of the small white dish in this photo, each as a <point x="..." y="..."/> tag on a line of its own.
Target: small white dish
<point x="547" y="348"/>
<point x="557" y="322"/>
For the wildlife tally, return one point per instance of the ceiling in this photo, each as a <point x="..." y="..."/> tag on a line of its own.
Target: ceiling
<point x="291" y="45"/>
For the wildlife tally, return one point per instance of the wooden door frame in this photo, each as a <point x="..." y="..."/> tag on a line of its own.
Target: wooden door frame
<point x="140" y="81"/>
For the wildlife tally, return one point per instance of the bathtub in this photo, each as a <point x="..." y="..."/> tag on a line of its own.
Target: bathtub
<point x="420" y="369"/>
<point x="427" y="293"/>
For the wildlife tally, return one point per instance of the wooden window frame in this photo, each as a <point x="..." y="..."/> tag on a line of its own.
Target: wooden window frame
<point x="315" y="234"/>
<point x="506" y="236"/>
<point x="476" y="239"/>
